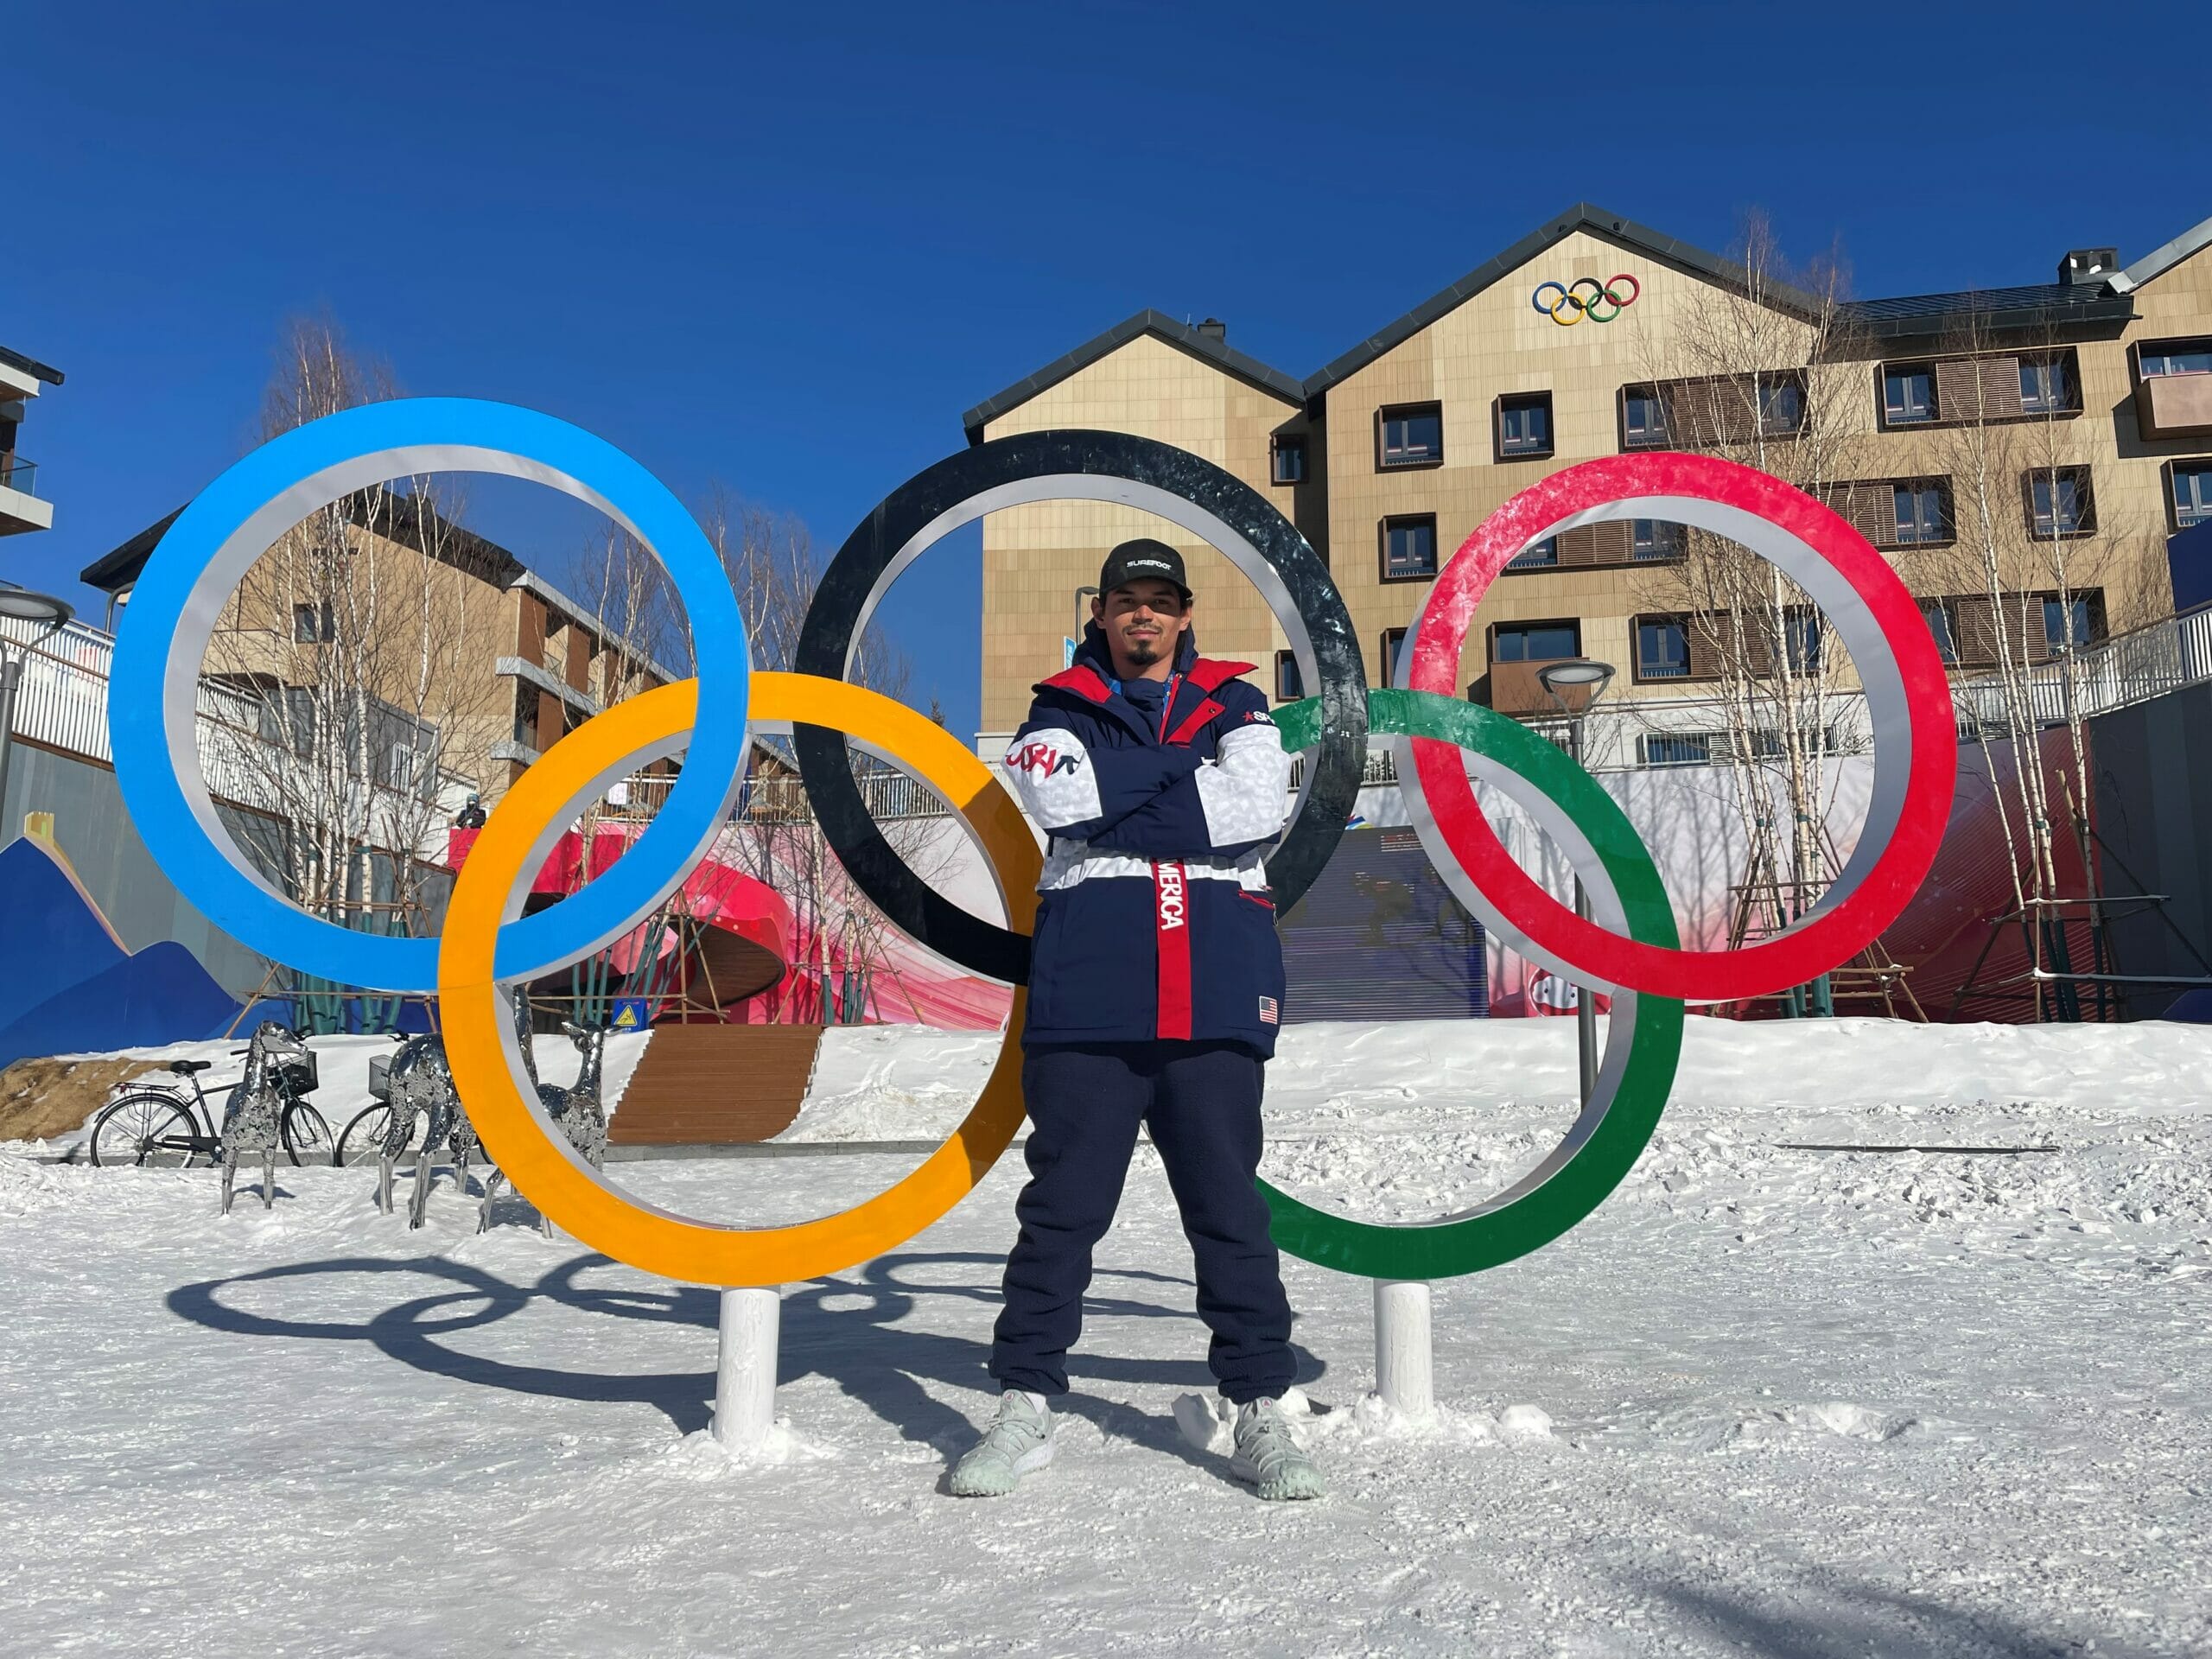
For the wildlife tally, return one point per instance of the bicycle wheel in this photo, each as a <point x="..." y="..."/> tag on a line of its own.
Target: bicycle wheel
<point x="363" y="1140"/>
<point x="305" y="1133"/>
<point x="146" y="1130"/>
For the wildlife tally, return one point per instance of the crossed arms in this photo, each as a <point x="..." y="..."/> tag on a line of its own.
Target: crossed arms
<point x="1154" y="803"/>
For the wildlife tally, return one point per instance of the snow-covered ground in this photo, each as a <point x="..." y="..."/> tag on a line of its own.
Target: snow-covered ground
<point x="1764" y="1401"/>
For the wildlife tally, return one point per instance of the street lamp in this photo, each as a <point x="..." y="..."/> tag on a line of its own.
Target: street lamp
<point x="44" y="613"/>
<point x="1575" y="685"/>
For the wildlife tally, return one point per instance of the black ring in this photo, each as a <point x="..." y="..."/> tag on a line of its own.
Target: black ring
<point x="954" y="492"/>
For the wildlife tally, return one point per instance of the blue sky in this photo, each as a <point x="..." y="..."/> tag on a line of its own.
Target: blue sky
<point x="783" y="250"/>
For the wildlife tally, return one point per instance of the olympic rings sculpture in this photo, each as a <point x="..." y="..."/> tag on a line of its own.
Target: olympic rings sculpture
<point x="1571" y="305"/>
<point x="1630" y="945"/>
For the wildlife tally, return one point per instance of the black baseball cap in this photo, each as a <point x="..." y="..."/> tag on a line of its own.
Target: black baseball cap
<point x="1141" y="560"/>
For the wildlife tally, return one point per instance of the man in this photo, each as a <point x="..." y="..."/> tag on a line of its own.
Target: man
<point x="1155" y="991"/>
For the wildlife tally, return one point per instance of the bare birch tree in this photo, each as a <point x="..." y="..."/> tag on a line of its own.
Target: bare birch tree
<point x="2032" y="565"/>
<point x="1759" y="373"/>
<point x="364" y="648"/>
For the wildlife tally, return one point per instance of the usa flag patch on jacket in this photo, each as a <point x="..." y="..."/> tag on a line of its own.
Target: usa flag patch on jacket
<point x="1269" y="1013"/>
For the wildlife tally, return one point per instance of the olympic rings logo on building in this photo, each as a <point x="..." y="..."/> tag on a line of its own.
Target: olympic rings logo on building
<point x="1573" y="305"/>
<point x="1629" y="946"/>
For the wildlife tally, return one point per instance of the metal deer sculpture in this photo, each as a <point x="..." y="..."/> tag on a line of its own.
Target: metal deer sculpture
<point x="419" y="1084"/>
<point x="578" y="1111"/>
<point x="253" y="1122"/>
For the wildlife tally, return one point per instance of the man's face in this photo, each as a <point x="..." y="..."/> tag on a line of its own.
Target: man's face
<point x="1142" y="620"/>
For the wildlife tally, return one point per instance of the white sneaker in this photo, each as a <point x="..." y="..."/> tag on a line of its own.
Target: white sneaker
<point x="1019" y="1442"/>
<point x="1268" y="1456"/>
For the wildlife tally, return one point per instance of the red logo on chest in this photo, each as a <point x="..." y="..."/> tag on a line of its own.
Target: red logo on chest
<point x="1039" y="757"/>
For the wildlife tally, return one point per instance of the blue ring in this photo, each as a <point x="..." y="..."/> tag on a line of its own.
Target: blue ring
<point x="189" y="576"/>
<point x="1537" y="299"/>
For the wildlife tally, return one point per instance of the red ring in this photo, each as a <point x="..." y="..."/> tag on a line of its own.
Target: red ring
<point x="1790" y="958"/>
<point x="1629" y="279"/>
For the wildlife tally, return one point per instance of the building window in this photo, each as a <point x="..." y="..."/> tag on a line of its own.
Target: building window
<point x="1801" y="639"/>
<point x="1908" y="394"/>
<point x="2058" y="502"/>
<point x="2192" y="493"/>
<point x="1643" y="418"/>
<point x="1676" y="748"/>
<point x="1537" y="556"/>
<point x="1290" y="460"/>
<point x="1535" y="642"/>
<point x="313" y="624"/>
<point x="1662" y="648"/>
<point x="1921" y="516"/>
<point x="1782" y="406"/>
<point x="1942" y="620"/>
<point x="1409" y="548"/>
<point x="1410" y="434"/>
<point x="2067" y="622"/>
<point x="1290" y="684"/>
<point x="1657" y="538"/>
<point x="2164" y="357"/>
<point x="1524" y="425"/>
<point x="2046" y="387"/>
<point x="1395" y="662"/>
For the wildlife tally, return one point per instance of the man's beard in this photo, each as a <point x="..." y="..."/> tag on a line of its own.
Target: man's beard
<point x="1142" y="652"/>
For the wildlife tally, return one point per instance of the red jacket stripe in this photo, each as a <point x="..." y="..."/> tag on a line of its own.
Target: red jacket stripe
<point x="1171" y="895"/>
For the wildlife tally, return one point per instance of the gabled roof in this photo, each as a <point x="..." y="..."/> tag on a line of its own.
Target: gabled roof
<point x="117" y="570"/>
<point x="29" y="365"/>
<point x="2046" y="305"/>
<point x="1583" y="216"/>
<point x="409" y="522"/>
<point x="1160" y="325"/>
<point x="2160" y="260"/>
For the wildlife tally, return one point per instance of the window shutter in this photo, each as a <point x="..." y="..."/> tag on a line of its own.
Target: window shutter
<point x="1612" y="542"/>
<point x="2000" y="387"/>
<point x="1870" y="508"/>
<point x="1757" y="648"/>
<point x="1968" y="389"/>
<point x="1977" y="630"/>
<point x="1708" y="636"/>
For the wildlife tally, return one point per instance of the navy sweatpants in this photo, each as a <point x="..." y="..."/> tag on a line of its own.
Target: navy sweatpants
<point x="1201" y="1100"/>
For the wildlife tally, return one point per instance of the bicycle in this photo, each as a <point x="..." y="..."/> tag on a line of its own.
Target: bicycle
<point x="156" y="1128"/>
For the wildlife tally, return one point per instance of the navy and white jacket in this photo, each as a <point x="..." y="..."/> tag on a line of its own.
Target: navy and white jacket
<point x="1156" y="920"/>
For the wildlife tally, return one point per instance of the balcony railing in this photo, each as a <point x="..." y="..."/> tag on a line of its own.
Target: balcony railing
<point x="782" y="799"/>
<point x="62" y="704"/>
<point x="16" y="473"/>
<point x="2128" y="669"/>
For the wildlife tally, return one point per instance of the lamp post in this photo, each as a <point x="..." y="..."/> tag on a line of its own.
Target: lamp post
<point x="1575" y="685"/>
<point x="46" y="613"/>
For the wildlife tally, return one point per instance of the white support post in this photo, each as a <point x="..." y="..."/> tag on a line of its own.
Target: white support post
<point x="1405" y="1357"/>
<point x="745" y="1367"/>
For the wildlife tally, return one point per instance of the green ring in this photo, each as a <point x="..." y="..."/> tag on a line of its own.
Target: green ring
<point x="1591" y="310"/>
<point x="1511" y="1226"/>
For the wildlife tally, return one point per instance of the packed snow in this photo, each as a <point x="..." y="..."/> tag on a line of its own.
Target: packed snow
<point x="1765" y="1401"/>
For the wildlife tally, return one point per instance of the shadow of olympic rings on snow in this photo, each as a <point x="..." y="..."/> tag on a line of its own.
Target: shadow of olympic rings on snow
<point x="846" y="1328"/>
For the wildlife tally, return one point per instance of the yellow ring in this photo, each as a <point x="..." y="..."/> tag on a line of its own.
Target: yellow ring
<point x="1568" y="300"/>
<point x="480" y="1035"/>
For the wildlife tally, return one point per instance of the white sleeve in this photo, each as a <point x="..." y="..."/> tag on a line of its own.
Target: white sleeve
<point x="1049" y="769"/>
<point x="1243" y="790"/>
